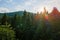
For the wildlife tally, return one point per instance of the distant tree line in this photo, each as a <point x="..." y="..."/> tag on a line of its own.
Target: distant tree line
<point x="29" y="27"/>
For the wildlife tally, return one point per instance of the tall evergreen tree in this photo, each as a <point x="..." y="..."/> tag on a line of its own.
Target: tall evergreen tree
<point x="4" y="19"/>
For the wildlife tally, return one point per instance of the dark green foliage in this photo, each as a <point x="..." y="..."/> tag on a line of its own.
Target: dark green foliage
<point x="4" y="19"/>
<point x="26" y="27"/>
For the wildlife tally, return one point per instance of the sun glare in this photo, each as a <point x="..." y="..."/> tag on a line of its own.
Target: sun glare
<point x="43" y="9"/>
<point x="40" y="10"/>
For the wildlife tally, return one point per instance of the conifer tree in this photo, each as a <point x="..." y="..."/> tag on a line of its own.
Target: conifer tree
<point x="6" y="32"/>
<point x="4" y="19"/>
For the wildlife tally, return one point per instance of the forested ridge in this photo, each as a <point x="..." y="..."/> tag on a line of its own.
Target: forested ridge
<point x="30" y="26"/>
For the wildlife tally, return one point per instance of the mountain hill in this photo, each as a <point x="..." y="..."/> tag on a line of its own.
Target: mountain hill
<point x="13" y="13"/>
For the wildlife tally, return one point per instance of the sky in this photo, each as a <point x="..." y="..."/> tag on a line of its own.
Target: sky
<point x="28" y="5"/>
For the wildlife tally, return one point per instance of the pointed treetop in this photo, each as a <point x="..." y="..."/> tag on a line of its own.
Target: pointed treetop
<point x="55" y="10"/>
<point x="44" y="9"/>
<point x="37" y="12"/>
<point x="24" y="10"/>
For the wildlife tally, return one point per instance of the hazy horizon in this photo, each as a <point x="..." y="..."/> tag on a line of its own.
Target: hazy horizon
<point x="28" y="5"/>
